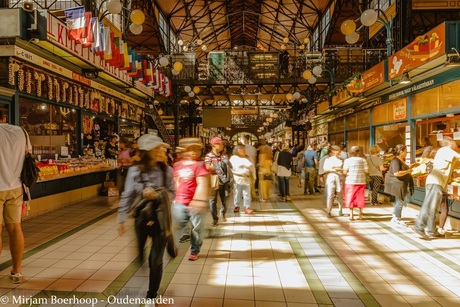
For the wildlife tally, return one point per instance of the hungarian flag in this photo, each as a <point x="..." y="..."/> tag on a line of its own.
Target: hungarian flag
<point x="75" y="20"/>
<point x="88" y="35"/>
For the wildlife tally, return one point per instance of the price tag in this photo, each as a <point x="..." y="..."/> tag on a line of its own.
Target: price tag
<point x="439" y="137"/>
<point x="64" y="151"/>
<point x="457" y="135"/>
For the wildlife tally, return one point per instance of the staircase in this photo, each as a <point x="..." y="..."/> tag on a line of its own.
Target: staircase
<point x="163" y="133"/>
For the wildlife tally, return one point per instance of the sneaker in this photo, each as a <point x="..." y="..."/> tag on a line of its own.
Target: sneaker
<point x="236" y="209"/>
<point x="340" y="213"/>
<point x="214" y="223"/>
<point x="184" y="238"/>
<point x="329" y="215"/>
<point x="248" y="211"/>
<point x="193" y="257"/>
<point x="288" y="197"/>
<point x="436" y="235"/>
<point x="283" y="199"/>
<point x="420" y="232"/>
<point x="16" y="278"/>
<point x="224" y="219"/>
<point x="397" y="221"/>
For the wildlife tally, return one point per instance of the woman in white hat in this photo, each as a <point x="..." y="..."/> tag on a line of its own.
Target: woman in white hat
<point x="154" y="179"/>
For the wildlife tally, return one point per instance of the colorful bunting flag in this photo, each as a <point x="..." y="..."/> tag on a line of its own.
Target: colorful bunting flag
<point x="75" y="20"/>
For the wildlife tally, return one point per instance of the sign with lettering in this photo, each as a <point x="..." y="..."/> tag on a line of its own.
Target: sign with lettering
<point x="423" y="48"/>
<point x="62" y="71"/>
<point x="399" y="109"/>
<point x="58" y="34"/>
<point x="374" y="76"/>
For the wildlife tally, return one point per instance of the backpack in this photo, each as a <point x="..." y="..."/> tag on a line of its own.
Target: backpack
<point x="223" y="172"/>
<point x="30" y="171"/>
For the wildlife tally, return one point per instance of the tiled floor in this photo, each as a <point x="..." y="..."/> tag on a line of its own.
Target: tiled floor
<point x="287" y="254"/>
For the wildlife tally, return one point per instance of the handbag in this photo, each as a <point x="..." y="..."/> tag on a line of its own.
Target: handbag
<point x="30" y="171"/>
<point x="268" y="177"/>
<point x="214" y="182"/>
<point x="274" y="166"/>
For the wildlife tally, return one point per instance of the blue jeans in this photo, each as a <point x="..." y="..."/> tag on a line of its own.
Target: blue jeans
<point x="182" y="215"/>
<point x="430" y="205"/>
<point x="399" y="203"/>
<point x="242" y="191"/>
<point x="283" y="184"/>
<point x="223" y="193"/>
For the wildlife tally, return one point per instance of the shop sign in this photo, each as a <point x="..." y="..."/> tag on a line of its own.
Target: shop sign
<point x="412" y="89"/>
<point x="41" y="62"/>
<point x="423" y="48"/>
<point x="399" y="109"/>
<point x="340" y="97"/>
<point x="58" y="34"/>
<point x="374" y="76"/>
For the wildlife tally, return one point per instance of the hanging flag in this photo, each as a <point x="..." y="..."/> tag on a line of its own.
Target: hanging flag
<point x="98" y="44"/>
<point x="88" y="35"/>
<point x="126" y="57"/>
<point x="115" y="61"/>
<point x="161" y="83"/>
<point x="168" y="87"/>
<point x="156" y="79"/>
<point x="108" y="39"/>
<point x="75" y="20"/>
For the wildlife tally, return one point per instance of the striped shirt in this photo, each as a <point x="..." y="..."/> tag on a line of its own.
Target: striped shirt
<point x="357" y="169"/>
<point x="211" y="158"/>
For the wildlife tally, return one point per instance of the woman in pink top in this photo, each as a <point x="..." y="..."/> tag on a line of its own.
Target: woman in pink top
<point x="355" y="169"/>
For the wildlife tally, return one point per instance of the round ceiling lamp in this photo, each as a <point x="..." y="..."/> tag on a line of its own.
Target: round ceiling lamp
<point x="199" y="41"/>
<point x="137" y="17"/>
<point x="347" y="27"/>
<point x="175" y="72"/>
<point x="114" y="6"/>
<point x="369" y="17"/>
<point x="302" y="47"/>
<point x="283" y="47"/>
<point x="185" y="48"/>
<point x="163" y="61"/>
<point x="306" y="40"/>
<point x="191" y="94"/>
<point x="135" y="28"/>
<point x="180" y="42"/>
<point x="286" y="40"/>
<point x="296" y="95"/>
<point x="317" y="70"/>
<point x="312" y="80"/>
<point x="196" y="89"/>
<point x="289" y="96"/>
<point x="187" y="89"/>
<point x="204" y="47"/>
<point x="306" y="74"/>
<point x="178" y="66"/>
<point x="352" y="38"/>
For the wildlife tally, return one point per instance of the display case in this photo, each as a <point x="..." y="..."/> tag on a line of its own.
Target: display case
<point x="52" y="129"/>
<point x="263" y="65"/>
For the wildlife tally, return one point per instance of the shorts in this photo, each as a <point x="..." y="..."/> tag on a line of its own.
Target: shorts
<point x="11" y="206"/>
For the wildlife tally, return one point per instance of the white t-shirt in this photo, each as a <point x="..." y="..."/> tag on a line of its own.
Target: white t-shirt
<point x="442" y="166"/>
<point x="12" y="153"/>
<point x="243" y="170"/>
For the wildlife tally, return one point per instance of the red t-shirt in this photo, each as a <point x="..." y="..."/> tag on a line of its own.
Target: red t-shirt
<point x="185" y="175"/>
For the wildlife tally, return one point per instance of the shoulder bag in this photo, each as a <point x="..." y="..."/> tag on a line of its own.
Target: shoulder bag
<point x="30" y="171"/>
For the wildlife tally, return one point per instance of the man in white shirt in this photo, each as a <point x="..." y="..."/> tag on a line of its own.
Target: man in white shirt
<point x="12" y="153"/>
<point x="436" y="182"/>
<point x="244" y="173"/>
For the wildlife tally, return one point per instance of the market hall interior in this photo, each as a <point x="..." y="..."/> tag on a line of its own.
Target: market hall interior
<point x="285" y="254"/>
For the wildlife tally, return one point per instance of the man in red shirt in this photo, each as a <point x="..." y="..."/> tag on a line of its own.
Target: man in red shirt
<point x="192" y="192"/>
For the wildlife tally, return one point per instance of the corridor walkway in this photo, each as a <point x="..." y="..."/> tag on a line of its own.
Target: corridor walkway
<point x="288" y="254"/>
